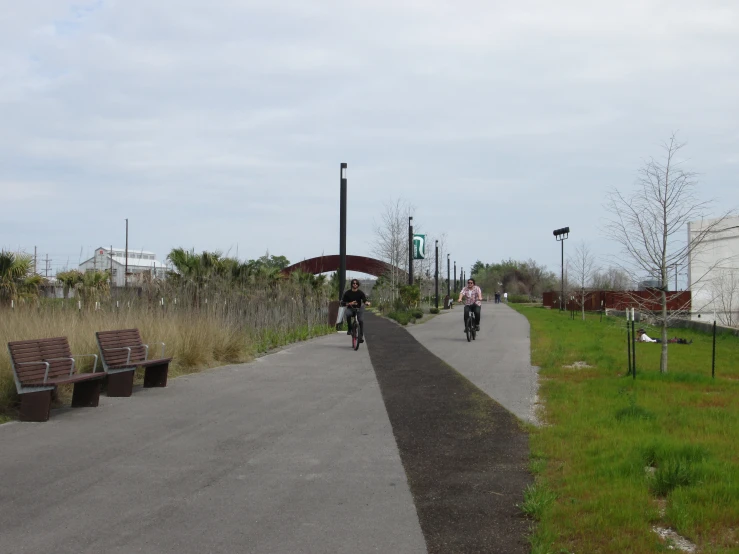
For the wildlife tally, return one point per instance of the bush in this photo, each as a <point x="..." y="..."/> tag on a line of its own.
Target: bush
<point x="519" y="298"/>
<point x="417" y="313"/>
<point x="434" y="310"/>
<point x="410" y="295"/>
<point x="400" y="316"/>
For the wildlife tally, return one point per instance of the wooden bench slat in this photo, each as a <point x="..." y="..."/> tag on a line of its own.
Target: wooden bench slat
<point x="146" y="363"/>
<point x="68" y="380"/>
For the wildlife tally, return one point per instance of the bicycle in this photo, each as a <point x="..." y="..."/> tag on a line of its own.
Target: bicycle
<point x="355" y="329"/>
<point x="469" y="326"/>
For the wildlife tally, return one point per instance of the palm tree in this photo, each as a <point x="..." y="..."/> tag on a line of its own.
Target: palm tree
<point x="70" y="280"/>
<point x="14" y="268"/>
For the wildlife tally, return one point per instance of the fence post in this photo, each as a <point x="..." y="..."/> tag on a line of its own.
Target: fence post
<point x="713" y="355"/>
<point x="628" y="340"/>
<point x="633" y="357"/>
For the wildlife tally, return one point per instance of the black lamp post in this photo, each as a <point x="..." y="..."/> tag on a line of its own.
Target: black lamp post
<point x="410" y="250"/>
<point x="561" y="235"/>
<point x="436" y="273"/>
<point x="448" y="280"/>
<point x="342" y="230"/>
<point x="455" y="277"/>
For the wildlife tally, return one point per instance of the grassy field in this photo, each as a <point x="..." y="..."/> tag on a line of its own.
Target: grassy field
<point x="196" y="337"/>
<point x="616" y="457"/>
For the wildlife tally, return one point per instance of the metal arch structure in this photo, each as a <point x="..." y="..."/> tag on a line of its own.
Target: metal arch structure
<point x="361" y="264"/>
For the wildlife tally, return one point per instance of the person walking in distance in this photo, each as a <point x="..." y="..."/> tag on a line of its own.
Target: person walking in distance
<point x="472" y="296"/>
<point x="505" y="297"/>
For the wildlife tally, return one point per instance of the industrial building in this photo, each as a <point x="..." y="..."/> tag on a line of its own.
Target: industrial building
<point x="141" y="265"/>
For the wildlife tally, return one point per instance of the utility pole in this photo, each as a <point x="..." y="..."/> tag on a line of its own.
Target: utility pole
<point x="111" y="265"/>
<point x="125" y="273"/>
<point x="448" y="280"/>
<point x="455" y="276"/>
<point x="48" y="261"/>
<point x="35" y="267"/>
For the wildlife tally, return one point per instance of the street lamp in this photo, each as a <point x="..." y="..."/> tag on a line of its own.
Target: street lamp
<point x="448" y="275"/>
<point x="436" y="274"/>
<point x="410" y="250"/>
<point x="561" y="235"/>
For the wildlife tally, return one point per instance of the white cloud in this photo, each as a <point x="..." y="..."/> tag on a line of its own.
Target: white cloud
<point x="159" y="110"/>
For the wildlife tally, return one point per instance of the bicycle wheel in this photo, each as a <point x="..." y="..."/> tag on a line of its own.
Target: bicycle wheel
<point x="473" y="332"/>
<point x="468" y="331"/>
<point x="355" y="335"/>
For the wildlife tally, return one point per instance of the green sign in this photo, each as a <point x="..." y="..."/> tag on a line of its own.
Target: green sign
<point x="419" y="247"/>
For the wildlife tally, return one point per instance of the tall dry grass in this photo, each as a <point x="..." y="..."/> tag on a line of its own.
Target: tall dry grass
<point x="199" y="332"/>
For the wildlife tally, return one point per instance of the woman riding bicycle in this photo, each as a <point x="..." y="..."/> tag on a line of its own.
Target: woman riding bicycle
<point x="472" y="302"/>
<point x="355" y="300"/>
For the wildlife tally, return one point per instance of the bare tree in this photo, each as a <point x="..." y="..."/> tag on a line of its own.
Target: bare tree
<point x="582" y="265"/>
<point x="611" y="278"/>
<point x="391" y="239"/>
<point x="725" y="290"/>
<point x="649" y="222"/>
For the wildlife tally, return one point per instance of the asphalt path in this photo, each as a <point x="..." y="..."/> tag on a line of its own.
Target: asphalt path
<point x="291" y="453"/>
<point x="294" y="452"/>
<point x="498" y="361"/>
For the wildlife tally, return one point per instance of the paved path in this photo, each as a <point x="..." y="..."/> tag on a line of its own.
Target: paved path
<point x="291" y="453"/>
<point x="498" y="361"/>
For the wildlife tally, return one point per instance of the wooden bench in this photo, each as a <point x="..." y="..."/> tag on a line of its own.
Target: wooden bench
<point x="41" y="365"/>
<point x="122" y="351"/>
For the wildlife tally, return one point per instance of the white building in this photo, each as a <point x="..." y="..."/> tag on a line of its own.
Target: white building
<point x="141" y="264"/>
<point x="713" y="272"/>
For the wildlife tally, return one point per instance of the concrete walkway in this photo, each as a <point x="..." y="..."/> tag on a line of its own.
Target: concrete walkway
<point x="291" y="453"/>
<point x="498" y="361"/>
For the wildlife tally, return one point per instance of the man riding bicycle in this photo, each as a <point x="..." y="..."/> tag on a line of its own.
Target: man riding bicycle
<point x="472" y="302"/>
<point x="355" y="300"/>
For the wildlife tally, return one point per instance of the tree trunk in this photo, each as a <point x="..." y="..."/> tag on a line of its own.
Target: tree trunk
<point x="663" y="358"/>
<point x="582" y="303"/>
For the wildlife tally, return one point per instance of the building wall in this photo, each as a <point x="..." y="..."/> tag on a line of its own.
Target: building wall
<point x="716" y="260"/>
<point x="101" y="261"/>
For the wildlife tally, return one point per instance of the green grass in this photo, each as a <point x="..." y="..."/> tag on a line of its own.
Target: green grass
<point x="613" y="450"/>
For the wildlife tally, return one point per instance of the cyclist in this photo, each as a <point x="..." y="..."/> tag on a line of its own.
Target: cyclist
<point x="355" y="300"/>
<point x="472" y="302"/>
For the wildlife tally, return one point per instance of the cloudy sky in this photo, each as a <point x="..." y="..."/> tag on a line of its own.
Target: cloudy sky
<point x="221" y="125"/>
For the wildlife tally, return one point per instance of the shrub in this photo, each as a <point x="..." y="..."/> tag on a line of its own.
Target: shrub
<point x="410" y="295"/>
<point x="417" y="313"/>
<point x="434" y="310"/>
<point x="519" y="298"/>
<point x="400" y="316"/>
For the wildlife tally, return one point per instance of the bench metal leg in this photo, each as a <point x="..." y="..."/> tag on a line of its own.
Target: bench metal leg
<point x="35" y="406"/>
<point x="120" y="384"/>
<point x="156" y="375"/>
<point x="86" y="394"/>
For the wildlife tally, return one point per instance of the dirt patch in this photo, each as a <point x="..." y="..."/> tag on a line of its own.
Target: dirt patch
<point x="578" y="365"/>
<point x="465" y="456"/>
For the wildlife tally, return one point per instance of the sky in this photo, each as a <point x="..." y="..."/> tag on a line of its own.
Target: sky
<point x="221" y="125"/>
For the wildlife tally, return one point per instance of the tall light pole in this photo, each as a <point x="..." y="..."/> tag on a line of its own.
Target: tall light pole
<point x="436" y="273"/>
<point x="342" y="230"/>
<point x="448" y="281"/>
<point x="455" y="277"/>
<point x="561" y="235"/>
<point x="125" y="270"/>
<point x="410" y="250"/>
